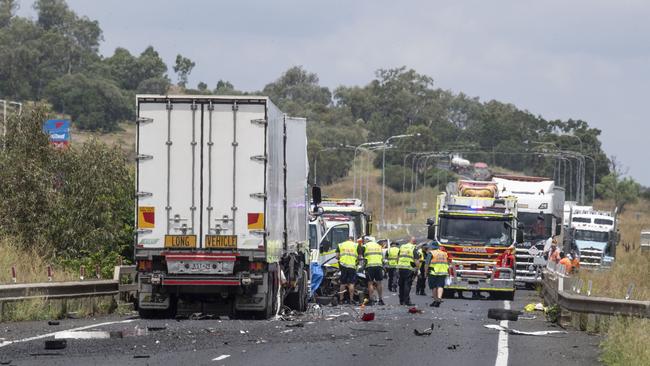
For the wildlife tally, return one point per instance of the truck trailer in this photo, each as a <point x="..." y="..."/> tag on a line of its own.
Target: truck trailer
<point x="221" y="205"/>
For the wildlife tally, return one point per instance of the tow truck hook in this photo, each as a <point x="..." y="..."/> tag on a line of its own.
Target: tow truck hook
<point x="156" y="279"/>
<point x="246" y="281"/>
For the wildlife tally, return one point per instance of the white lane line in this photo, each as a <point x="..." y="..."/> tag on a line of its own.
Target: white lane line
<point x="6" y="343"/>
<point x="222" y="357"/>
<point x="502" y="344"/>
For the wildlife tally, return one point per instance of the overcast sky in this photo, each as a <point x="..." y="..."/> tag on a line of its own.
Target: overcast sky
<point x="585" y="59"/>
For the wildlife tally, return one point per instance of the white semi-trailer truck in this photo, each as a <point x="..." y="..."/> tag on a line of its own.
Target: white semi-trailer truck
<point x="221" y="208"/>
<point x="540" y="213"/>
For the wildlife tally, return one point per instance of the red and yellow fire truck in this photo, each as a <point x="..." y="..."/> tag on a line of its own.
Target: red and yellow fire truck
<point x="478" y="230"/>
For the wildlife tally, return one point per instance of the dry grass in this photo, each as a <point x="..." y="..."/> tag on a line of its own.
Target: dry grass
<point x="627" y="342"/>
<point x="125" y="137"/>
<point x="631" y="265"/>
<point x="30" y="266"/>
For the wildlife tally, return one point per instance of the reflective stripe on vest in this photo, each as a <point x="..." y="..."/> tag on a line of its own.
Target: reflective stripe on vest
<point x="393" y="255"/>
<point x="348" y="254"/>
<point x="439" y="265"/>
<point x="373" y="255"/>
<point x="406" y="260"/>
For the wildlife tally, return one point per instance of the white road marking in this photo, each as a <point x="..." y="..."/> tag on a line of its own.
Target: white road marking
<point x="66" y="334"/>
<point x="6" y="343"/>
<point x="502" y="344"/>
<point x="222" y="357"/>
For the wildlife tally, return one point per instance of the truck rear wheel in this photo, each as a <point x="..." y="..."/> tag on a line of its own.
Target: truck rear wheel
<point x="170" y="312"/>
<point x="298" y="300"/>
<point x="269" y="299"/>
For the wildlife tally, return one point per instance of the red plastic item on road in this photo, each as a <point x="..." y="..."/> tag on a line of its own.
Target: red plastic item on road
<point x="366" y="317"/>
<point x="415" y="310"/>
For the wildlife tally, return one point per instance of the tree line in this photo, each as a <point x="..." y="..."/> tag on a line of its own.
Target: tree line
<point x="56" y="58"/>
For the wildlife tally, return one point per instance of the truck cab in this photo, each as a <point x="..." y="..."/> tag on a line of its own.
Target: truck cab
<point x="593" y="236"/>
<point x="477" y="228"/>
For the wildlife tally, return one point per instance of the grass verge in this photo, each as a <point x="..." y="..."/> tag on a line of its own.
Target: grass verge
<point x="627" y="342"/>
<point x="30" y="266"/>
<point x="42" y="309"/>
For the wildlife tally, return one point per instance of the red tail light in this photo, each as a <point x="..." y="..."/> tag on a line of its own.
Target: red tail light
<point x="145" y="265"/>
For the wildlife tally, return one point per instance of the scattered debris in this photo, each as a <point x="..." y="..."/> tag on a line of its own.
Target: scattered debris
<point x="155" y="329"/>
<point x="415" y="310"/>
<point x="295" y="325"/>
<point x="527" y="317"/>
<point x="116" y="334"/>
<point x="141" y="356"/>
<point x="200" y="316"/>
<point x="519" y="332"/>
<point x="426" y="332"/>
<point x="503" y="314"/>
<point x="532" y="307"/>
<point x="222" y="357"/>
<point x="56" y="344"/>
<point x="453" y="347"/>
<point x="53" y="322"/>
<point x="88" y="334"/>
<point x="287" y="331"/>
<point x="366" y="317"/>
<point x="378" y="345"/>
<point x="243" y="331"/>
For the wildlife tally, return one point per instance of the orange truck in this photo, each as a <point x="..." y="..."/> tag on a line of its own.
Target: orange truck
<point x="478" y="230"/>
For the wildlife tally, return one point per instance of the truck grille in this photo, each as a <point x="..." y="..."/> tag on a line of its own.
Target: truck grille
<point x="591" y="257"/>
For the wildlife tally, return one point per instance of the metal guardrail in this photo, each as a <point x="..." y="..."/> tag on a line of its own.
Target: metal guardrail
<point x="72" y="289"/>
<point x="555" y="282"/>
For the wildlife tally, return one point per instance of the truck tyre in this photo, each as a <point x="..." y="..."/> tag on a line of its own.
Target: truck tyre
<point x="298" y="300"/>
<point x="160" y="313"/>
<point x="270" y="299"/>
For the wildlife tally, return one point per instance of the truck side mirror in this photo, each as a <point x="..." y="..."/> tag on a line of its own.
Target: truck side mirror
<point x="431" y="232"/>
<point x="316" y="195"/>
<point x="519" y="237"/>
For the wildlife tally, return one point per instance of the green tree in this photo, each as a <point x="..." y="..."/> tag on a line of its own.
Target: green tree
<point x="225" y="87"/>
<point x="7" y="11"/>
<point x="93" y="103"/>
<point x="183" y="68"/>
<point x="297" y="92"/>
<point x="622" y="190"/>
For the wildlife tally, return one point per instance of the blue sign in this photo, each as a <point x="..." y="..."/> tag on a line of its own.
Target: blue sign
<point x="58" y="129"/>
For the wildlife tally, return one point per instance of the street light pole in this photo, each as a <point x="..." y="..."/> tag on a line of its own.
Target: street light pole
<point x="383" y="172"/>
<point x="354" y="170"/>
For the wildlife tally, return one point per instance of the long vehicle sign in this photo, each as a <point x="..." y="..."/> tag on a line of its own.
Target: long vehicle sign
<point x="180" y="241"/>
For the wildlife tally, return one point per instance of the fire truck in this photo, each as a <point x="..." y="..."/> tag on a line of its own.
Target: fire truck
<point x="478" y="230"/>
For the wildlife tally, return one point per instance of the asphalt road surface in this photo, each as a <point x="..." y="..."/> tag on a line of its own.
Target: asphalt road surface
<point x="326" y="336"/>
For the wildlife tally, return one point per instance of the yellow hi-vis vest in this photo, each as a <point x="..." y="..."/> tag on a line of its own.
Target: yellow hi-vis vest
<point x="406" y="259"/>
<point x="373" y="255"/>
<point x="439" y="265"/>
<point x="393" y="255"/>
<point x="348" y="254"/>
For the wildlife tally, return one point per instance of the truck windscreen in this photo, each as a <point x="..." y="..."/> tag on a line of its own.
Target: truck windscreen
<point x="588" y="235"/>
<point x="536" y="226"/>
<point x="474" y="231"/>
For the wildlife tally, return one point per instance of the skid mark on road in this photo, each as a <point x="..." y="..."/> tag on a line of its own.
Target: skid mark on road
<point x="502" y="344"/>
<point x="6" y="343"/>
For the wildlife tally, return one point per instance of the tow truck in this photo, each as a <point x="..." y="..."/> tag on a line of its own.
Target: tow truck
<point x="478" y="230"/>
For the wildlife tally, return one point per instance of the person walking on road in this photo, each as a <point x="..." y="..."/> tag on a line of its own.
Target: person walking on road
<point x="374" y="261"/>
<point x="347" y="254"/>
<point x="438" y="271"/>
<point x="393" y="256"/>
<point x="407" y="263"/>
<point x="422" y="271"/>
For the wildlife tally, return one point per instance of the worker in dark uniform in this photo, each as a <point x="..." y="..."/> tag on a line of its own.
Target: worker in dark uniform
<point x="407" y="263"/>
<point x="421" y="282"/>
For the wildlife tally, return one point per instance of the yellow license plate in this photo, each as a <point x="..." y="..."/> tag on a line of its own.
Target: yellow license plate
<point x="221" y="241"/>
<point x="180" y="241"/>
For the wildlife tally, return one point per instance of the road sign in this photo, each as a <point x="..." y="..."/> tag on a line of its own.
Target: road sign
<point x="411" y="210"/>
<point x="59" y="131"/>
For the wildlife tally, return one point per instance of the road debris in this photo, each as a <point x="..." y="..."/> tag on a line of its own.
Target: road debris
<point x="534" y="307"/>
<point x="426" y="332"/>
<point x="295" y="325"/>
<point x="222" y="357"/>
<point x="200" y="316"/>
<point x="141" y="356"/>
<point x="287" y="331"/>
<point x="519" y="332"/>
<point x="415" y="310"/>
<point x="56" y="344"/>
<point x="503" y="314"/>
<point x="5" y="362"/>
<point x="453" y="347"/>
<point x="88" y="334"/>
<point x="366" y="317"/>
<point x="368" y="330"/>
<point x="377" y="345"/>
<point x="53" y="322"/>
